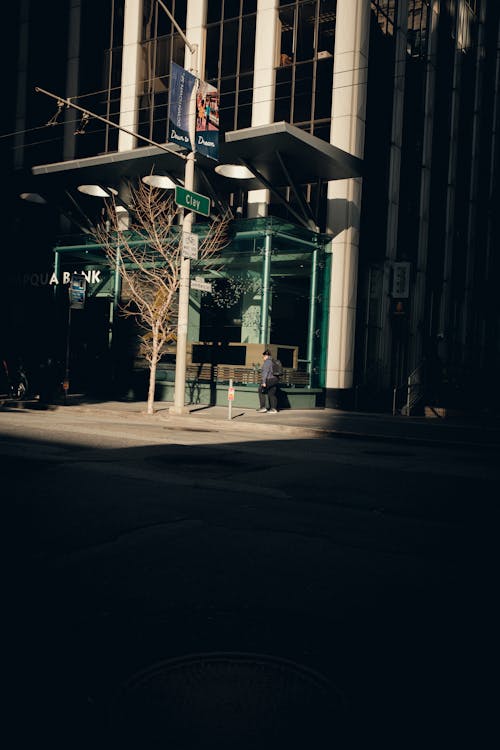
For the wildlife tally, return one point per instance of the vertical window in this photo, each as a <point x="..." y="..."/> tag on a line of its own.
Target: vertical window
<point x="385" y="13"/>
<point x="305" y="72"/>
<point x="418" y="19"/>
<point x="229" y="60"/>
<point x="161" y="45"/>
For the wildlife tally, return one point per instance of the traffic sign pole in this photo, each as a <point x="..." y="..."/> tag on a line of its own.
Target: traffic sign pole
<point x="179" y="406"/>
<point x="230" y="399"/>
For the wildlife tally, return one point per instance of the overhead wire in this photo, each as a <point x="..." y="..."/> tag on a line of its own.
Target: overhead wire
<point x="227" y="93"/>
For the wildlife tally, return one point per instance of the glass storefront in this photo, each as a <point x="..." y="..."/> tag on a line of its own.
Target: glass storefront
<point x="267" y="290"/>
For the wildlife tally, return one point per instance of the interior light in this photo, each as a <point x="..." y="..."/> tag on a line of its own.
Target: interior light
<point x="234" y="171"/>
<point x="97" y="191"/>
<point x="159" y="181"/>
<point x="32" y="198"/>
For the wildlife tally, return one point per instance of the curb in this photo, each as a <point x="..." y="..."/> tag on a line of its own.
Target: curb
<point x="300" y="431"/>
<point x="190" y="420"/>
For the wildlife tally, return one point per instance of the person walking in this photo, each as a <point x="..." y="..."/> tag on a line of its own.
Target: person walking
<point x="268" y="386"/>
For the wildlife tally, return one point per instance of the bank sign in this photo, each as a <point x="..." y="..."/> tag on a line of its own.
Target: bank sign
<point x="99" y="281"/>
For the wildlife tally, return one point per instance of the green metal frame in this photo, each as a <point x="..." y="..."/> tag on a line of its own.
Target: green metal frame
<point x="265" y="237"/>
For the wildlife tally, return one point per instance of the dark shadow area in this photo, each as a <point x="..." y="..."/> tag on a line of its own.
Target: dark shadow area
<point x="200" y="596"/>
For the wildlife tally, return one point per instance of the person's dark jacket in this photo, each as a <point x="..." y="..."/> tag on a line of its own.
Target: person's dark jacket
<point x="267" y="376"/>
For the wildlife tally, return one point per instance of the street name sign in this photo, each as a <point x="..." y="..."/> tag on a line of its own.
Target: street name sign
<point x="201" y="285"/>
<point x="190" y="245"/>
<point x="200" y="204"/>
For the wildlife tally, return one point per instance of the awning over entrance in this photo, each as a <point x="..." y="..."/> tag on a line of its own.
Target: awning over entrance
<point x="281" y="151"/>
<point x="279" y="155"/>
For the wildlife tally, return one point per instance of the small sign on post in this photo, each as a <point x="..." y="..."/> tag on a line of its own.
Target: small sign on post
<point x="401" y="280"/>
<point x="201" y="285"/>
<point x="190" y="245"/>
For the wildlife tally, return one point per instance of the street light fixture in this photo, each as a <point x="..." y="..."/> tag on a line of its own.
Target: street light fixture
<point x="96" y="191"/>
<point x="187" y="223"/>
<point x="33" y="198"/>
<point x="158" y="181"/>
<point x="234" y="171"/>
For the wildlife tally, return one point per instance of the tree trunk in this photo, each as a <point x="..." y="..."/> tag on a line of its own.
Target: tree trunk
<point x="152" y="375"/>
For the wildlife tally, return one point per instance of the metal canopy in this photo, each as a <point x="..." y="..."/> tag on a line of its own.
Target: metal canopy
<point x="306" y="157"/>
<point x="111" y="168"/>
<point x="279" y="155"/>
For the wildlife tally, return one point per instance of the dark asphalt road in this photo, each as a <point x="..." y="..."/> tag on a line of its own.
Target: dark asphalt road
<point x="347" y="585"/>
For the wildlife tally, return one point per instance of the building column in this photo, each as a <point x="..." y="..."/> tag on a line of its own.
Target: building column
<point x="344" y="196"/>
<point x="264" y="86"/>
<point x="394" y="185"/>
<point x="469" y="333"/>
<point x="22" y="77"/>
<point x="72" y="77"/>
<point x="131" y="74"/>
<point x="446" y="321"/>
<point x="418" y="303"/>
<point x="490" y="332"/>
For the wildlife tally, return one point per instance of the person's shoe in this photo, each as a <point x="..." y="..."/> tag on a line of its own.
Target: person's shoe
<point x="261" y="411"/>
<point x="272" y="411"/>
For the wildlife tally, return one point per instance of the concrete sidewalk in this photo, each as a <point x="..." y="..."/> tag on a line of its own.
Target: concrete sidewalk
<point x="481" y="431"/>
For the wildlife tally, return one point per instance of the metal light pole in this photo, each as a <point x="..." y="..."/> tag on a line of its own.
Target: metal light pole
<point x="187" y="222"/>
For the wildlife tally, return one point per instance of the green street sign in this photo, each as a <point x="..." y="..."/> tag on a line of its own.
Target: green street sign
<point x="200" y="204"/>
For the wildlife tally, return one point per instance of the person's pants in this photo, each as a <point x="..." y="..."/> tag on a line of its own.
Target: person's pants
<point x="270" y="392"/>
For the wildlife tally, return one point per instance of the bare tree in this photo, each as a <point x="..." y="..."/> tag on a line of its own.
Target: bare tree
<point x="147" y="253"/>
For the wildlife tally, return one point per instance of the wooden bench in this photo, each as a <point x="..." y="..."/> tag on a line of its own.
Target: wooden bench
<point x="201" y="372"/>
<point x="244" y="375"/>
<point x="295" y="378"/>
<point x="239" y="375"/>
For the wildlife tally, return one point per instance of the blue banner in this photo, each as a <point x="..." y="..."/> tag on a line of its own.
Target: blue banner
<point x="207" y="121"/>
<point x="182" y="84"/>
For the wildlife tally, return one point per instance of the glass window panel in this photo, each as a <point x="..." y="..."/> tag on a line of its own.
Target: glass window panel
<point x="302" y="108"/>
<point x="246" y="83"/>
<point x="287" y="23"/>
<point x="214" y="11"/>
<point x="248" y="46"/>
<point x="305" y="32"/>
<point x="230" y="49"/>
<point x="245" y="96"/>
<point x="231" y="9"/>
<point x="212" y="56"/>
<point x="302" y="105"/>
<point x="282" y="101"/>
<point x="227" y="85"/>
<point x="249" y="6"/>
<point x="323" y="95"/>
<point x="244" y="116"/>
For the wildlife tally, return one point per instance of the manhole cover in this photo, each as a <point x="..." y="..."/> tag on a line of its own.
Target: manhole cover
<point x="226" y="700"/>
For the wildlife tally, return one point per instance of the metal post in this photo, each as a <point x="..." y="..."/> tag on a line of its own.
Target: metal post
<point x="230" y="397"/>
<point x="187" y="222"/>
<point x="68" y="338"/>
<point x="266" y="283"/>
<point x="57" y="272"/>
<point x="313" y="291"/>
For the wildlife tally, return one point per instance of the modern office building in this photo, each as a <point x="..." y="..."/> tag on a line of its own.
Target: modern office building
<point x="365" y="240"/>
